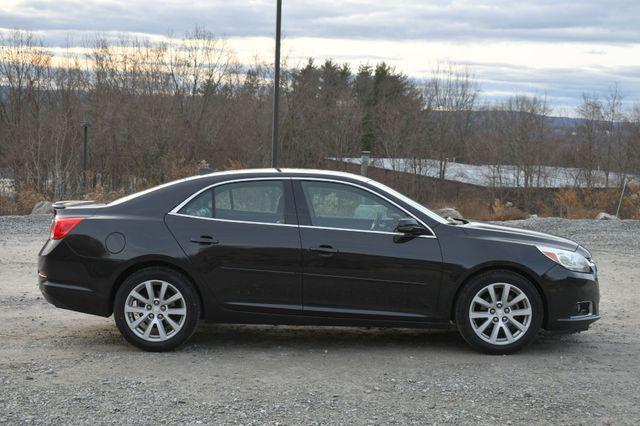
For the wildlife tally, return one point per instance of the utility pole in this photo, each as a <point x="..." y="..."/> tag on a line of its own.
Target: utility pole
<point x="624" y="186"/>
<point x="276" y="90"/>
<point x="85" y="153"/>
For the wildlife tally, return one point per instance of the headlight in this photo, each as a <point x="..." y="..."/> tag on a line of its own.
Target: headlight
<point x="569" y="259"/>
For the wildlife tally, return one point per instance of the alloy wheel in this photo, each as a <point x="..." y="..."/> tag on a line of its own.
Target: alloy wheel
<point x="500" y="313"/>
<point x="155" y="310"/>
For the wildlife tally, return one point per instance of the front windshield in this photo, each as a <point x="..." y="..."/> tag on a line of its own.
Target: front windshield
<point x="409" y="201"/>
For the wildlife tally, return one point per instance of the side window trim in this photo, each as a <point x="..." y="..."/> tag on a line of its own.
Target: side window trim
<point x="305" y="217"/>
<point x="296" y="200"/>
<point x="290" y="213"/>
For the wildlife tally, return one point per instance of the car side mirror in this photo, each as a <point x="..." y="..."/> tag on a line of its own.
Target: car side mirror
<point x="410" y="226"/>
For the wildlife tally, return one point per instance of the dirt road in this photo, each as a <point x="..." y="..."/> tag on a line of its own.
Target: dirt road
<point x="58" y="366"/>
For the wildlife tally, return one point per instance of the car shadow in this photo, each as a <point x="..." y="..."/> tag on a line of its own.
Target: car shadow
<point x="229" y="337"/>
<point x="307" y="337"/>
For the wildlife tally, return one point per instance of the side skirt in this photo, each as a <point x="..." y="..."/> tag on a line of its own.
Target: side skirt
<point x="275" y="319"/>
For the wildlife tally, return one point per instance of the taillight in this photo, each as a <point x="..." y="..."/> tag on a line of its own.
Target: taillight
<point x="61" y="226"/>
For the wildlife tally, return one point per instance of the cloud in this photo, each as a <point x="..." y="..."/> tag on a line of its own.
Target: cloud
<point x="562" y="90"/>
<point x="549" y="47"/>
<point x="613" y="21"/>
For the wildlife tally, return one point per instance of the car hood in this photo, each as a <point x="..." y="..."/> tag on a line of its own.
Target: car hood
<point x="516" y="235"/>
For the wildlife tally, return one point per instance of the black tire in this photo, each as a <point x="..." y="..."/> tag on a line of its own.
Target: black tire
<point x="477" y="283"/>
<point x="191" y="303"/>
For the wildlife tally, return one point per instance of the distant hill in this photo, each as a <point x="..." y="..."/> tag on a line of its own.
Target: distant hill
<point x="564" y="122"/>
<point x="556" y="123"/>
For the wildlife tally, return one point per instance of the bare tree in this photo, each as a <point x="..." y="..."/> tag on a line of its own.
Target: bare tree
<point x="613" y="118"/>
<point x="519" y="142"/>
<point x="451" y="95"/>
<point x="158" y="108"/>
<point x="589" y="132"/>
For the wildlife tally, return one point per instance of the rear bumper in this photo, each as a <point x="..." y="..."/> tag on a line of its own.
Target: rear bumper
<point x="73" y="297"/>
<point x="66" y="282"/>
<point x="563" y="290"/>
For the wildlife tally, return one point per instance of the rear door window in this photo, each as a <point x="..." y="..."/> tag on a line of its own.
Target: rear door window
<point x="251" y="201"/>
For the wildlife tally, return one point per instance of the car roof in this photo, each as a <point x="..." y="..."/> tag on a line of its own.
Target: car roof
<point x="265" y="172"/>
<point x="289" y="171"/>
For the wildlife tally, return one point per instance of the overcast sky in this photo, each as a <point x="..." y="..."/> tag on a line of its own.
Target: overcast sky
<point x="558" y="49"/>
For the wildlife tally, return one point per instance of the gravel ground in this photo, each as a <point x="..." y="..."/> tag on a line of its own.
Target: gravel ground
<point x="58" y="366"/>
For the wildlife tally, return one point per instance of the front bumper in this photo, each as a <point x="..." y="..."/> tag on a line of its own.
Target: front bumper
<point x="577" y="323"/>
<point x="564" y="290"/>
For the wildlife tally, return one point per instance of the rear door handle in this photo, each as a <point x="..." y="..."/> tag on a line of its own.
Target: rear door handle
<point x="204" y="239"/>
<point x="324" y="250"/>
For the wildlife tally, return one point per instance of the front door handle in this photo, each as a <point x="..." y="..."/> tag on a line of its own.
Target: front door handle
<point x="324" y="250"/>
<point x="204" y="239"/>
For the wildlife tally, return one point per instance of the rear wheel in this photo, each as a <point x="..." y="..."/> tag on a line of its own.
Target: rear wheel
<point x="156" y="309"/>
<point x="499" y="312"/>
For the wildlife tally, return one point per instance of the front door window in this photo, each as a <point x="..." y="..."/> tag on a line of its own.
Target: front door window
<point x="341" y="206"/>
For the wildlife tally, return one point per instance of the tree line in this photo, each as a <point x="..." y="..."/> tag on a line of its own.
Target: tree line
<point x="157" y="109"/>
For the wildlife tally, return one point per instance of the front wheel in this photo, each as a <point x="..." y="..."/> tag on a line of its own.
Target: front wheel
<point x="156" y="309"/>
<point x="499" y="312"/>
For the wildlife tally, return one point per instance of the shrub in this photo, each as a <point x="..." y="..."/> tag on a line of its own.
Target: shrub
<point x="481" y="210"/>
<point x="566" y="202"/>
<point x="7" y="205"/>
<point x="234" y="165"/>
<point x="101" y="195"/>
<point x="26" y="199"/>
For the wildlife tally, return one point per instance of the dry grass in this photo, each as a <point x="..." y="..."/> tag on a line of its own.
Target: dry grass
<point x="567" y="203"/>
<point x="573" y="204"/>
<point x="180" y="168"/>
<point x="234" y="165"/>
<point x="101" y="195"/>
<point x="20" y="203"/>
<point x="482" y="210"/>
<point x="7" y="205"/>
